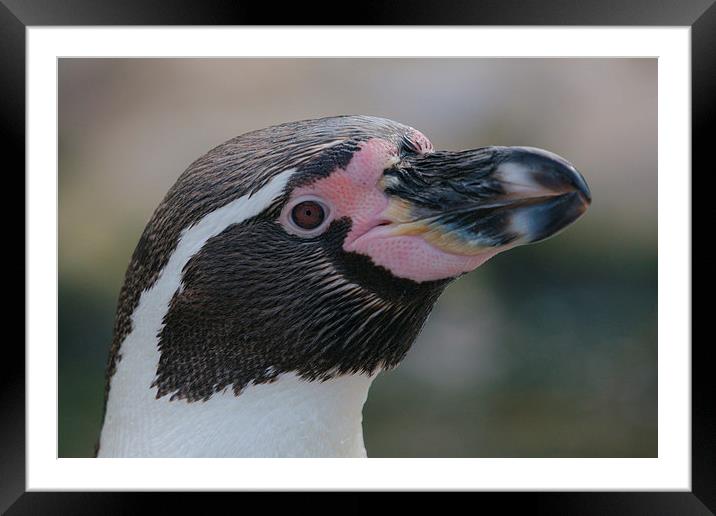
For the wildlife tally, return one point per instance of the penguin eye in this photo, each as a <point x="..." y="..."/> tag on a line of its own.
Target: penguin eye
<point x="308" y="216"/>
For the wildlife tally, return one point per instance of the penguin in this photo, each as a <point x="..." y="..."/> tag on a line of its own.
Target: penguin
<point x="290" y="265"/>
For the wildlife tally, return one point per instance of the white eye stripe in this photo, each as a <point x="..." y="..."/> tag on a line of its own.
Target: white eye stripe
<point x="290" y="224"/>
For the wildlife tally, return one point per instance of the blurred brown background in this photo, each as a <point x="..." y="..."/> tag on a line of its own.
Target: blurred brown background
<point x="546" y="351"/>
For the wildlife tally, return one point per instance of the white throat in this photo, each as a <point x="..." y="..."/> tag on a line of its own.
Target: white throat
<point x="288" y="418"/>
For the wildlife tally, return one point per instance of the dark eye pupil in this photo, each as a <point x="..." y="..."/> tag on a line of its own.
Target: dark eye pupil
<point x="307" y="215"/>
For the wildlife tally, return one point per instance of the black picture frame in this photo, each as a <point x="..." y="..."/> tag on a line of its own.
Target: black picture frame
<point x="700" y="15"/>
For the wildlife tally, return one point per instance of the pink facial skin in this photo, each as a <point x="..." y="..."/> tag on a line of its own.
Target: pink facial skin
<point x="355" y="193"/>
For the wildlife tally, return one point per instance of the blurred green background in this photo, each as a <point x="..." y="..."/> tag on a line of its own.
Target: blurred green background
<point x="545" y="351"/>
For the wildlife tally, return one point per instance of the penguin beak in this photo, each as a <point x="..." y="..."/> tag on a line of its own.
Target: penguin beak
<point x="484" y="200"/>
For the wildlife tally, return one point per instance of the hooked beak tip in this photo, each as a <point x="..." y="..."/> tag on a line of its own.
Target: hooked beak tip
<point x="583" y="189"/>
<point x="540" y="172"/>
<point x="548" y="191"/>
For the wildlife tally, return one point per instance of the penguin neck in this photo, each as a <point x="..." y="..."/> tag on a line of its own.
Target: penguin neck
<point x="290" y="417"/>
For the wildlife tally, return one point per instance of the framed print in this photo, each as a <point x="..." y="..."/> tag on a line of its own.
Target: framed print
<point x="326" y="207"/>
